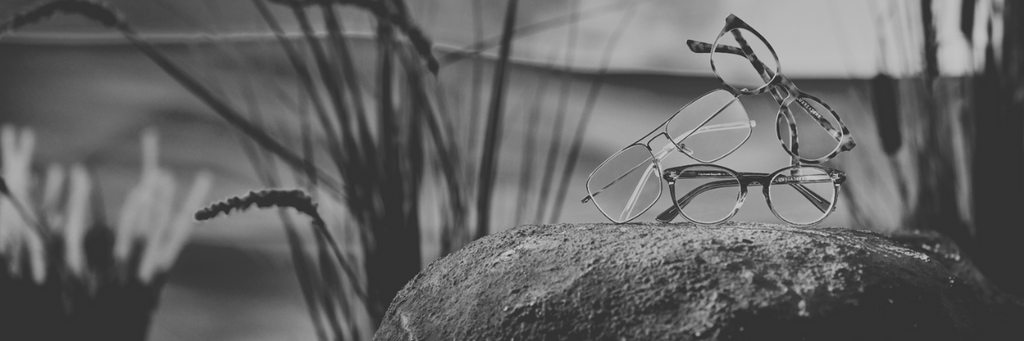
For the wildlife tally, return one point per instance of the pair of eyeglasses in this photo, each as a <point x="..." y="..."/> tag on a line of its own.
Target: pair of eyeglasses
<point x="707" y="129"/>
<point x="711" y="194"/>
<point x="737" y="62"/>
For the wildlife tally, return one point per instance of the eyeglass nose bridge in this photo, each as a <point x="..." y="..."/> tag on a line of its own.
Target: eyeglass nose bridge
<point x="784" y="93"/>
<point x="661" y="152"/>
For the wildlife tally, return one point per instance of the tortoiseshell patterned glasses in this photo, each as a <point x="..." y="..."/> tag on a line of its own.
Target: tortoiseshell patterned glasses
<point x="711" y="194"/>
<point x="740" y="65"/>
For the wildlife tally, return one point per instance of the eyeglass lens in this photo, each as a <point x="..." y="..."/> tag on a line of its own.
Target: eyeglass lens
<point x="626" y="185"/>
<point x="710" y="127"/>
<point x="813" y="132"/>
<point x="708" y="194"/>
<point x="802" y="195"/>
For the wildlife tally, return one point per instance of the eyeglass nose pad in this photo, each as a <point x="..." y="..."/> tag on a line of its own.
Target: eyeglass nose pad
<point x="682" y="147"/>
<point x="661" y="151"/>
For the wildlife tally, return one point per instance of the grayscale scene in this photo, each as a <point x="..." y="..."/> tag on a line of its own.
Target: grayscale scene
<point x="511" y="170"/>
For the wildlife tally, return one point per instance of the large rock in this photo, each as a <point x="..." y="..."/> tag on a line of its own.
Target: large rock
<point x="737" y="281"/>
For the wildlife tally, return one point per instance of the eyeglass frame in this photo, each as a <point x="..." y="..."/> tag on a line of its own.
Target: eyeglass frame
<point x="744" y="179"/>
<point x="678" y="146"/>
<point x="776" y="83"/>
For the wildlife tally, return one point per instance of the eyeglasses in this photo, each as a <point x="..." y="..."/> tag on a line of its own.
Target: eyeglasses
<point x="706" y="130"/>
<point x="626" y="180"/>
<point x="799" y="195"/>
<point x="732" y="56"/>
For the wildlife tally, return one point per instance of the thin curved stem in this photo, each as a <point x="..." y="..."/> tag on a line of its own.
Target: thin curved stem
<point x="635" y="196"/>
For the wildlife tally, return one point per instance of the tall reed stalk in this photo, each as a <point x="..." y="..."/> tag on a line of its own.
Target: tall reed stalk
<point x="492" y="139"/>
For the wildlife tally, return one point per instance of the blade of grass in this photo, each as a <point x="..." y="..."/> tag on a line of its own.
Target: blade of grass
<point x="306" y="131"/>
<point x="413" y="148"/>
<point x="305" y="276"/>
<point x="492" y="138"/>
<point x="332" y="288"/>
<point x="588" y="109"/>
<point x="258" y="159"/>
<point x="477" y="80"/>
<point x="389" y="178"/>
<point x="420" y="108"/>
<point x="441" y="128"/>
<point x="415" y="141"/>
<point x="526" y="169"/>
<point x="563" y="102"/>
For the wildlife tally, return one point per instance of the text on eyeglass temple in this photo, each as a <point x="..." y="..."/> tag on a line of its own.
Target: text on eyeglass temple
<point x="800" y="178"/>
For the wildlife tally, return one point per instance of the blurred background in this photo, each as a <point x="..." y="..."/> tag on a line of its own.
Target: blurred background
<point x="522" y="108"/>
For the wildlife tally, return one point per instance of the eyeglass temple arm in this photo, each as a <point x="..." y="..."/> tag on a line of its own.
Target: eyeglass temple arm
<point x="636" y="192"/>
<point x="820" y="203"/>
<point x="668" y="148"/>
<point x="767" y="74"/>
<point x="702" y="47"/>
<point x="707" y="129"/>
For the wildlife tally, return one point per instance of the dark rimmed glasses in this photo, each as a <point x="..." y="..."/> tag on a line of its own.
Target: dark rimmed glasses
<point x="732" y="55"/>
<point x="707" y="129"/>
<point x="711" y="194"/>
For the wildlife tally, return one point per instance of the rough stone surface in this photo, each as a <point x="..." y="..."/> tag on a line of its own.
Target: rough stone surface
<point x="737" y="281"/>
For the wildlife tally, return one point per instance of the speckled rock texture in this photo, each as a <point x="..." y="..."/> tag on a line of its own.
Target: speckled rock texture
<point x="737" y="281"/>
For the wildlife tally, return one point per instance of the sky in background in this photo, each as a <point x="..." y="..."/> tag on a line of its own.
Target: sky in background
<point x="826" y="39"/>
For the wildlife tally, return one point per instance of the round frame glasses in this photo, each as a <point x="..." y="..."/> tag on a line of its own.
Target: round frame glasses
<point x="811" y="192"/>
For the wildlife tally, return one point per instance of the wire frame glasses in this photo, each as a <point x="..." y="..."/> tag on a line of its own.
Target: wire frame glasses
<point x="707" y="129"/>
<point x="711" y="194"/>
<point x="740" y="60"/>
